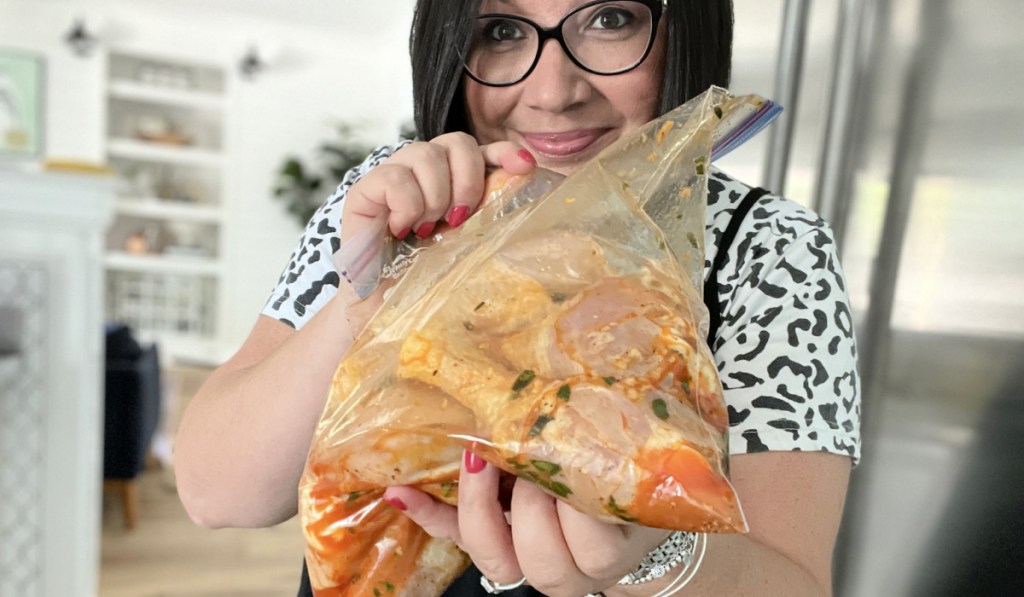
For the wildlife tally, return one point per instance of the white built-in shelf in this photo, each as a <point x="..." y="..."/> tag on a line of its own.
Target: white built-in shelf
<point x="133" y="149"/>
<point x="164" y="264"/>
<point x="150" y="94"/>
<point x="158" y="209"/>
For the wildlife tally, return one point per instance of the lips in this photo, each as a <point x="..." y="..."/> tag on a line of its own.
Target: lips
<point x="563" y="144"/>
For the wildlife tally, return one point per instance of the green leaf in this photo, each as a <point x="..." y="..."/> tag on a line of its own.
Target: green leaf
<point x="539" y="425"/>
<point x="564" y="393"/>
<point x="524" y="379"/>
<point x="293" y="168"/>
<point x="390" y="587"/>
<point x="617" y="511"/>
<point x="546" y="467"/>
<point x="660" y="409"/>
<point x="560" y="489"/>
<point x="558" y="297"/>
<point x="376" y="592"/>
<point x="609" y="380"/>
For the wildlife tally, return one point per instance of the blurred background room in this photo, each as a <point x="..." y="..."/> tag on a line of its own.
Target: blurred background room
<point x="158" y="159"/>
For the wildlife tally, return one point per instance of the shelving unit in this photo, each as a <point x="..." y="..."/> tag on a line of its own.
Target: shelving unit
<point x="165" y="138"/>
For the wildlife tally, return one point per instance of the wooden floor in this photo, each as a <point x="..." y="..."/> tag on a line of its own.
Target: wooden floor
<point x="168" y="556"/>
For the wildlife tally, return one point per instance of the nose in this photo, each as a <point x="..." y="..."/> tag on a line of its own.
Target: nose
<point x="556" y="84"/>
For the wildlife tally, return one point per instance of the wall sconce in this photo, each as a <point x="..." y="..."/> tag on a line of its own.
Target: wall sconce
<point x="251" y="64"/>
<point x="82" y="42"/>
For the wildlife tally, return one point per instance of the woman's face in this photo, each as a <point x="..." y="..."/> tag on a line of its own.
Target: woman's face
<point x="561" y="113"/>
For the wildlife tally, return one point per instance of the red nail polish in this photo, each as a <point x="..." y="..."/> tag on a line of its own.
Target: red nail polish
<point x="404" y="234"/>
<point x="474" y="464"/>
<point x="459" y="215"/>
<point x="397" y="503"/>
<point x="527" y="157"/>
<point x="425" y="230"/>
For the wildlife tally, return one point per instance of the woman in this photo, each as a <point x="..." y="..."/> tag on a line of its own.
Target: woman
<point x="552" y="83"/>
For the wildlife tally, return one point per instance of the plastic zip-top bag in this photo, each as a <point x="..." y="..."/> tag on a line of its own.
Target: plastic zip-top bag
<point x="560" y="334"/>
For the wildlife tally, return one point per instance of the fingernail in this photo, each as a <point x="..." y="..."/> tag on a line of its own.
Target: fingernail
<point x="474" y="464"/>
<point x="459" y="215"/>
<point x="397" y="503"/>
<point x="404" y="234"/>
<point x="425" y="230"/>
<point x="527" y="157"/>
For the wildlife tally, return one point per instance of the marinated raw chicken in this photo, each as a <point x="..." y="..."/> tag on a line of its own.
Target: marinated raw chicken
<point x="561" y="339"/>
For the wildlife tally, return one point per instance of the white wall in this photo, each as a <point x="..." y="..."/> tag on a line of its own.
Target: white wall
<point x="329" y="61"/>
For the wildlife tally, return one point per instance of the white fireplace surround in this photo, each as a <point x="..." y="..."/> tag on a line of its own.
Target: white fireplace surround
<point x="51" y="226"/>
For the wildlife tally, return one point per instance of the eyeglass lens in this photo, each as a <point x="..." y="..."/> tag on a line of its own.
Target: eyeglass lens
<point x="605" y="38"/>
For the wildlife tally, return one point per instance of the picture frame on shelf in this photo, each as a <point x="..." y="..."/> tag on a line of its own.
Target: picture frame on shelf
<point x="22" y="104"/>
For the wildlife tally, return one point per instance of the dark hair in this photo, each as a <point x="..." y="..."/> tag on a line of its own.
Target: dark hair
<point x="698" y="55"/>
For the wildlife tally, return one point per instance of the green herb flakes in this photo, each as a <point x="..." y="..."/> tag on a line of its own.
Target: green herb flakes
<point x="686" y="386"/>
<point x="609" y="380"/>
<point x="525" y="378"/>
<point x="389" y="587"/>
<point x="560" y="489"/>
<point x="376" y="592"/>
<point x="564" y="393"/>
<point x="447" y="488"/>
<point x="355" y="495"/>
<point x="558" y="297"/>
<point x="617" y="510"/>
<point x="660" y="409"/>
<point x="546" y="467"/>
<point x="468" y="325"/>
<point x="693" y="240"/>
<point x="539" y="425"/>
<point x="701" y="169"/>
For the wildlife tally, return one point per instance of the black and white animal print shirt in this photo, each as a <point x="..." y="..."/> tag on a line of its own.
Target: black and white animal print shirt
<point x="785" y="349"/>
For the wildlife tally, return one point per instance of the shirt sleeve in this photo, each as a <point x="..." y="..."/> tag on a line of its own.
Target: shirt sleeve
<point x="786" y="350"/>
<point x="310" y="280"/>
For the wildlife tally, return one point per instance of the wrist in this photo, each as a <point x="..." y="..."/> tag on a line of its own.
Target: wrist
<point x="664" y="571"/>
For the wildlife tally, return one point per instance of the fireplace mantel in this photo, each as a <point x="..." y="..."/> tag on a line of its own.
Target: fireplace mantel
<point x="51" y="422"/>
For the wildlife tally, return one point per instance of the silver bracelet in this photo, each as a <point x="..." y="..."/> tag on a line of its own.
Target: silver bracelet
<point x="677" y="549"/>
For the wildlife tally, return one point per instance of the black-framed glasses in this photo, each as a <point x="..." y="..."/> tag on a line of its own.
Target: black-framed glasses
<point x="604" y="37"/>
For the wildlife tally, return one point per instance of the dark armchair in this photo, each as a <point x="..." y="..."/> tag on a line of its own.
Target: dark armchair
<point x="132" y="411"/>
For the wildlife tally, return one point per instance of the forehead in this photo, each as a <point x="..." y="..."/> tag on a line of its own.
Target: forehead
<point x="541" y="11"/>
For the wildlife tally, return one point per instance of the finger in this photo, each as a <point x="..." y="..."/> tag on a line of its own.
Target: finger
<point x="541" y="549"/>
<point x="486" y="536"/>
<point x="510" y="156"/>
<point x="602" y="550"/>
<point x="429" y="164"/>
<point x="467" y="168"/>
<point x="389" y="188"/>
<point x="437" y="519"/>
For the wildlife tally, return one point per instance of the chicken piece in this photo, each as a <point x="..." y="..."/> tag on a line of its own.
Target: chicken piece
<point x="621" y="329"/>
<point x="604" y="361"/>
<point x="360" y="544"/>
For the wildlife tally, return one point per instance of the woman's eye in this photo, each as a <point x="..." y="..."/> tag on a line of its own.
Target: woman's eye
<point x="612" y="18"/>
<point x="497" y="31"/>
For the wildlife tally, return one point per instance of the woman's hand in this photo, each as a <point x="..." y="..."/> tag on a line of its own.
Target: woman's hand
<point x="426" y="183"/>
<point x="560" y="551"/>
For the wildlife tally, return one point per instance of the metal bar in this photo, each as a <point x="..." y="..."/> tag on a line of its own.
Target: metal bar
<point x="788" y="79"/>
<point x="915" y="114"/>
<point x="829" y="200"/>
